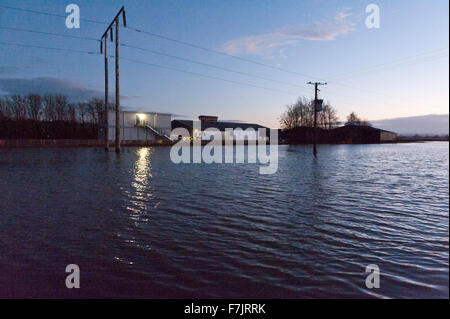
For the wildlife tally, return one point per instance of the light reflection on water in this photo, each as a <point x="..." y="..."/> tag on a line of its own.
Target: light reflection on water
<point x="140" y="226"/>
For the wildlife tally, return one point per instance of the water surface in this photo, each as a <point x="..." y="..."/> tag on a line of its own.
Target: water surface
<point x="140" y="226"/>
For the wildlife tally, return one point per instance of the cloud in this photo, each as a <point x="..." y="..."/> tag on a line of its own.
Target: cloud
<point x="264" y="44"/>
<point x="75" y="92"/>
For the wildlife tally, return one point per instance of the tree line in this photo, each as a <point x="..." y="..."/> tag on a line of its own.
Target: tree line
<point x="50" y="108"/>
<point x="48" y="116"/>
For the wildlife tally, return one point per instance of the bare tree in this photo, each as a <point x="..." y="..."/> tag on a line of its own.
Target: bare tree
<point x="61" y="107"/>
<point x="71" y="112"/>
<point x="306" y="111"/>
<point x="353" y="119"/>
<point x="99" y="108"/>
<point x="297" y="114"/>
<point x="302" y="114"/>
<point x="328" y="116"/>
<point x="82" y="111"/>
<point x="34" y="104"/>
<point x="5" y="107"/>
<point x="18" y="107"/>
<point x="49" y="106"/>
<point x="95" y="109"/>
<point x="290" y="118"/>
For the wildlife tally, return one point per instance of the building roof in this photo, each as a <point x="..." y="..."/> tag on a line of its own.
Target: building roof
<point x="221" y="126"/>
<point x="361" y="127"/>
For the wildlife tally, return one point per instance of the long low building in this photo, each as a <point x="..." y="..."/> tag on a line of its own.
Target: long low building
<point x="348" y="134"/>
<point x="139" y="126"/>
<point x="356" y="134"/>
<point x="241" y="131"/>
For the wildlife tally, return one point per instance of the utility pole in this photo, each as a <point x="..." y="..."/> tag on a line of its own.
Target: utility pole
<point x="105" y="37"/>
<point x="316" y="89"/>
<point x="106" y="92"/>
<point x="117" y="90"/>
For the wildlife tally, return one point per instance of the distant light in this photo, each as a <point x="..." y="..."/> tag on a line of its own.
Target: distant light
<point x="141" y="116"/>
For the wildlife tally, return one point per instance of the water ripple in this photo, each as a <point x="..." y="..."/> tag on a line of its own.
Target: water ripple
<point x="140" y="226"/>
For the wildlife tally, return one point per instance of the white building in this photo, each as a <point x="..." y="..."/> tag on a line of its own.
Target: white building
<point x="140" y="126"/>
<point x="209" y="128"/>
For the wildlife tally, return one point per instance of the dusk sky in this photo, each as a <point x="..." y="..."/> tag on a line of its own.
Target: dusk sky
<point x="400" y="69"/>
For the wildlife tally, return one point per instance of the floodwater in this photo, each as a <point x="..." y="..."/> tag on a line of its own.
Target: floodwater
<point x="138" y="225"/>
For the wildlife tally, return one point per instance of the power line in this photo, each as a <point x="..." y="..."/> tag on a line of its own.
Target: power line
<point x="255" y="62"/>
<point x="165" y="67"/>
<point x="48" y="48"/>
<point x="156" y="53"/>
<point x="168" y="39"/>
<point x="47" y="13"/>
<point x="49" y="33"/>
<point x="189" y="60"/>
<point x="150" y="64"/>
<point x="207" y="50"/>
<point x="162" y="54"/>
<point x="219" y="52"/>
<point x="252" y="61"/>
<point x="428" y="54"/>
<point x="168" y="68"/>
<point x="210" y="65"/>
<point x="206" y="76"/>
<point x="395" y="63"/>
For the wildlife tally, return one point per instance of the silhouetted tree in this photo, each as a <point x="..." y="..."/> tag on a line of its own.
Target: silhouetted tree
<point x="5" y="107"/>
<point x="354" y="119"/>
<point x="290" y="118"/>
<point x="82" y="111"/>
<point x="95" y="109"/>
<point x="18" y="107"/>
<point x="302" y="114"/>
<point x="71" y="112"/>
<point x="327" y="118"/>
<point x="34" y="105"/>
<point x="49" y="106"/>
<point x="61" y="108"/>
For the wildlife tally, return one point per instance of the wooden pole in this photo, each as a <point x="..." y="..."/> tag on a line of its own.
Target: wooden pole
<point x="315" y="120"/>
<point x="316" y="89"/>
<point x="117" y="90"/>
<point x="106" y="97"/>
<point x="109" y="29"/>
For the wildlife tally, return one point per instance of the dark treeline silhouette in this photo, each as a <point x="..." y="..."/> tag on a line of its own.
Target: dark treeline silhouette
<point x="34" y="116"/>
<point x="297" y="124"/>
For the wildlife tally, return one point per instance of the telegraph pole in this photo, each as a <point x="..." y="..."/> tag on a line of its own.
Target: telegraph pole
<point x="316" y="89"/>
<point x="106" y="93"/>
<point x="117" y="90"/>
<point x="105" y="37"/>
